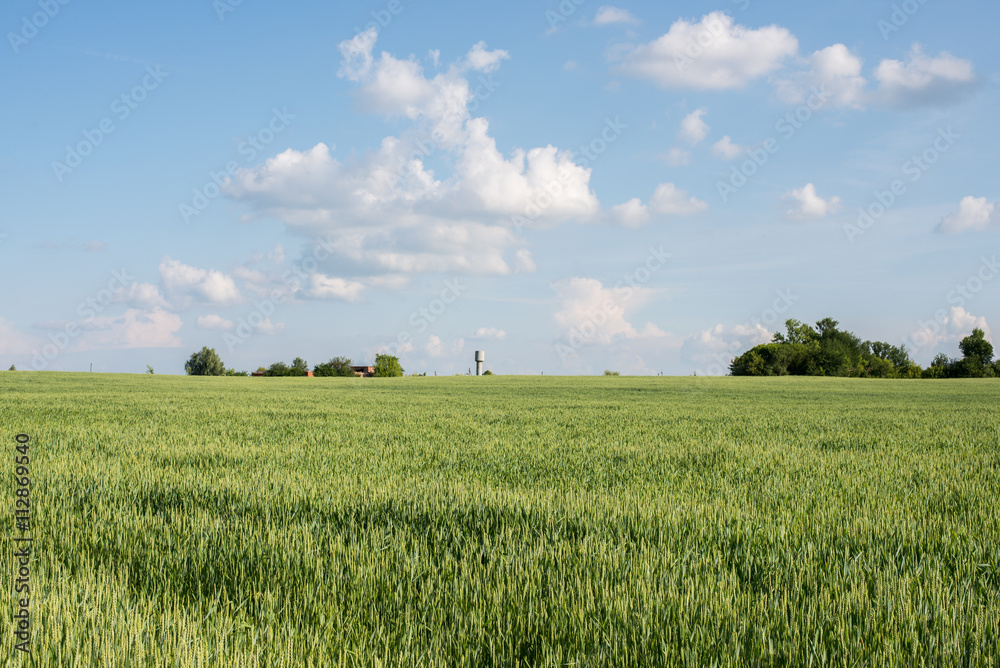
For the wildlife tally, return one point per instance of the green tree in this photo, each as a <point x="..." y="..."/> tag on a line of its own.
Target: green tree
<point x="149" y="370"/>
<point x="278" y="369"/>
<point x="387" y="366"/>
<point x="205" y="363"/>
<point x="796" y="332"/>
<point x="299" y="367"/>
<point x="978" y="352"/>
<point x="338" y="366"/>
<point x="12" y="368"/>
<point x="234" y="372"/>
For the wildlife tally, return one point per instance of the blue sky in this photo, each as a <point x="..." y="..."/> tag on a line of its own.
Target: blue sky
<point x="570" y="187"/>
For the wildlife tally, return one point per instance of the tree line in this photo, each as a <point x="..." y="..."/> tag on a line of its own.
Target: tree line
<point x="207" y="362"/>
<point x="827" y="350"/>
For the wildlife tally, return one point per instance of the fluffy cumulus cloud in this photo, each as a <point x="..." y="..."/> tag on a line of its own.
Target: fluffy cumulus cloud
<point x="693" y="127"/>
<point x="141" y="295"/>
<point x="712" y="350"/>
<point x="590" y="313"/>
<point x="949" y="327"/>
<point x="725" y="149"/>
<point x="632" y="213"/>
<point x="714" y="53"/>
<point x="183" y="283"/>
<point x="974" y="213"/>
<point x="608" y="15"/>
<point x="835" y="72"/>
<point x="482" y="59"/>
<point x="668" y="200"/>
<point x="924" y="81"/>
<point x="808" y="205"/>
<point x="388" y="210"/>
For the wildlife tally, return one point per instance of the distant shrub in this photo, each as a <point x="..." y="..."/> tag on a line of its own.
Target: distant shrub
<point x="608" y="372"/>
<point x="487" y="373"/>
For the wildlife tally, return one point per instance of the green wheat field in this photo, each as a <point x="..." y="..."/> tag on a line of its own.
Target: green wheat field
<point x="505" y="521"/>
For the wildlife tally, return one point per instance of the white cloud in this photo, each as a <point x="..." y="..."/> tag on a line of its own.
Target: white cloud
<point x="141" y="295"/>
<point x="632" y="213"/>
<point x="489" y="333"/>
<point x="592" y="314"/>
<point x="693" y="127"/>
<point x="268" y="327"/>
<point x="677" y="157"/>
<point x="834" y="70"/>
<point x="356" y="55"/>
<point x="810" y="206"/>
<point x="524" y="261"/>
<point x="481" y="60"/>
<point x="726" y="149"/>
<point x="712" y="54"/>
<point x="924" y="81"/>
<point x="608" y="15"/>
<point x="213" y="321"/>
<point x="952" y="328"/>
<point x="435" y="347"/>
<point x="713" y="349"/>
<point x="570" y="65"/>
<point x="387" y="209"/>
<point x="974" y="213"/>
<point x="668" y="200"/>
<point x="183" y="282"/>
<point x="132" y="329"/>
<point x="322" y="286"/>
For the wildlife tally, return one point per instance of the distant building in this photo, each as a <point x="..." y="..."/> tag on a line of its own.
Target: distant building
<point x="363" y="371"/>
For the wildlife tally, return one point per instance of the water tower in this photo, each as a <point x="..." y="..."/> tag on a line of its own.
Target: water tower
<point x="480" y="358"/>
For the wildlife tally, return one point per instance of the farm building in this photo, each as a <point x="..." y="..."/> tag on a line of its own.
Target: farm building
<point x="363" y="371"/>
